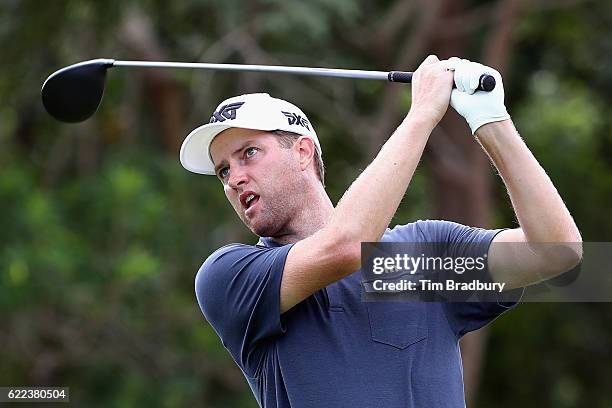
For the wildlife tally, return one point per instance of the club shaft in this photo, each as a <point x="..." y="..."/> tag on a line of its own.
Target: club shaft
<point x="324" y="72"/>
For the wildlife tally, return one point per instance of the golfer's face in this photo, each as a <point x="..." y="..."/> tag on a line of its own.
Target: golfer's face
<point x="253" y="167"/>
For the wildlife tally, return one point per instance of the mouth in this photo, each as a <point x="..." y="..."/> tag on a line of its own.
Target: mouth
<point x="248" y="199"/>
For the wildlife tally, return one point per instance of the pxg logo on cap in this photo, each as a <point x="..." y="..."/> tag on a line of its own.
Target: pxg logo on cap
<point x="295" y="119"/>
<point x="226" y="112"/>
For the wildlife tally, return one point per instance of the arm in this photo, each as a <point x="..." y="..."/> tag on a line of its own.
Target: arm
<point x="365" y="210"/>
<point x="548" y="242"/>
<point x="541" y="213"/>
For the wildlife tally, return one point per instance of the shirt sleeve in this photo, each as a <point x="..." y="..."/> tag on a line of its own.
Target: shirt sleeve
<point x="464" y="241"/>
<point x="238" y="290"/>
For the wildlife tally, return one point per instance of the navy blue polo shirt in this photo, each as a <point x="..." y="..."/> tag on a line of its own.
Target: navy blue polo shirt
<point x="332" y="349"/>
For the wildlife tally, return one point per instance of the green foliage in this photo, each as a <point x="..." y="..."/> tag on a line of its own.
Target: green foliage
<point x="563" y="123"/>
<point x="102" y="231"/>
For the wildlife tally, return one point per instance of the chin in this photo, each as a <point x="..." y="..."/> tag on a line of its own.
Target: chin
<point x="267" y="223"/>
<point x="262" y="228"/>
<point x="262" y="231"/>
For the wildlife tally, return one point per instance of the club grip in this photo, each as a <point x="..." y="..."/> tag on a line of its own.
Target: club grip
<point x="400" y="76"/>
<point x="486" y="82"/>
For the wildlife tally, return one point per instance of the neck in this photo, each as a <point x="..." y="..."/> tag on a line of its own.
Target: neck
<point x="309" y="219"/>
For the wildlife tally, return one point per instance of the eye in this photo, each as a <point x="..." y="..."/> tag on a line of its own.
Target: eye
<point x="250" y="152"/>
<point x="223" y="172"/>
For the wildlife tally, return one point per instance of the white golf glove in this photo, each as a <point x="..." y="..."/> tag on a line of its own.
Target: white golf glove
<point x="478" y="108"/>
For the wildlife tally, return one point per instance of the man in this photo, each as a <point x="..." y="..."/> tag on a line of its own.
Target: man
<point x="289" y="309"/>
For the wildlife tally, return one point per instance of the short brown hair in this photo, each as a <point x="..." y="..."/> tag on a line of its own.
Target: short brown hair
<point x="287" y="139"/>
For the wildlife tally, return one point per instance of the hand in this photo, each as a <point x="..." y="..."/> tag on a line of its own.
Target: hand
<point x="431" y="88"/>
<point x="478" y="108"/>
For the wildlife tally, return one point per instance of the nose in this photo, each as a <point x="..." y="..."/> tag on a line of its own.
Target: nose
<point x="237" y="177"/>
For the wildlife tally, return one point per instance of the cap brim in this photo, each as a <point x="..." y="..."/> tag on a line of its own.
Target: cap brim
<point x="195" y="151"/>
<point x="195" y="155"/>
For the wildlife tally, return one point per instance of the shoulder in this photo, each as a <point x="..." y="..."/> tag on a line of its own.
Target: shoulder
<point x="238" y="291"/>
<point x="423" y="231"/>
<point x="238" y="265"/>
<point x="224" y="260"/>
<point x="227" y="252"/>
<point x="438" y="231"/>
<point x="222" y="255"/>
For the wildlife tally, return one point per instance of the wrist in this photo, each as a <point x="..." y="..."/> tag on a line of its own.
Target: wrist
<point x="482" y="118"/>
<point x="422" y="119"/>
<point x="491" y="129"/>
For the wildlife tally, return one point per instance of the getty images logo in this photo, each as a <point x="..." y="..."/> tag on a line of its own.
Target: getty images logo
<point x="226" y="112"/>
<point x="295" y="119"/>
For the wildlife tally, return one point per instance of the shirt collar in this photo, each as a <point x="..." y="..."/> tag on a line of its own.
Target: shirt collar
<point x="268" y="242"/>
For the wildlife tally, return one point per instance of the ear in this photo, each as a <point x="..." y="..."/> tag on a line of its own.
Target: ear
<point x="306" y="150"/>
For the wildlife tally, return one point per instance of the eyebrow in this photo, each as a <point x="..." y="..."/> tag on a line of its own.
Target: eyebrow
<point x="224" y="162"/>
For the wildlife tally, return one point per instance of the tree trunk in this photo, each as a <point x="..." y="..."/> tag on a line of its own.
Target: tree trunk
<point x="138" y="35"/>
<point x="461" y="174"/>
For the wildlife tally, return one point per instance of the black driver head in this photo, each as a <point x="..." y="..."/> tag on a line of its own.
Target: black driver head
<point x="74" y="93"/>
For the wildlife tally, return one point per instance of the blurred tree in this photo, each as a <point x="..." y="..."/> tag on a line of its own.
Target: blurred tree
<point x="102" y="230"/>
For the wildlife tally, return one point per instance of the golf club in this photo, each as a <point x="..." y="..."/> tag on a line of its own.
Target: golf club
<point x="74" y="93"/>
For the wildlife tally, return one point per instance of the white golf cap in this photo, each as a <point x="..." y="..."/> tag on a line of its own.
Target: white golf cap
<point x="257" y="111"/>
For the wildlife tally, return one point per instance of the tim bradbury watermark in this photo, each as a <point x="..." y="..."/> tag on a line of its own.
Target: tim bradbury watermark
<point x="460" y="272"/>
<point x="382" y="265"/>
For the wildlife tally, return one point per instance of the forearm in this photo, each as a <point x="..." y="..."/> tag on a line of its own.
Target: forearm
<point x="366" y="209"/>
<point x="540" y="211"/>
